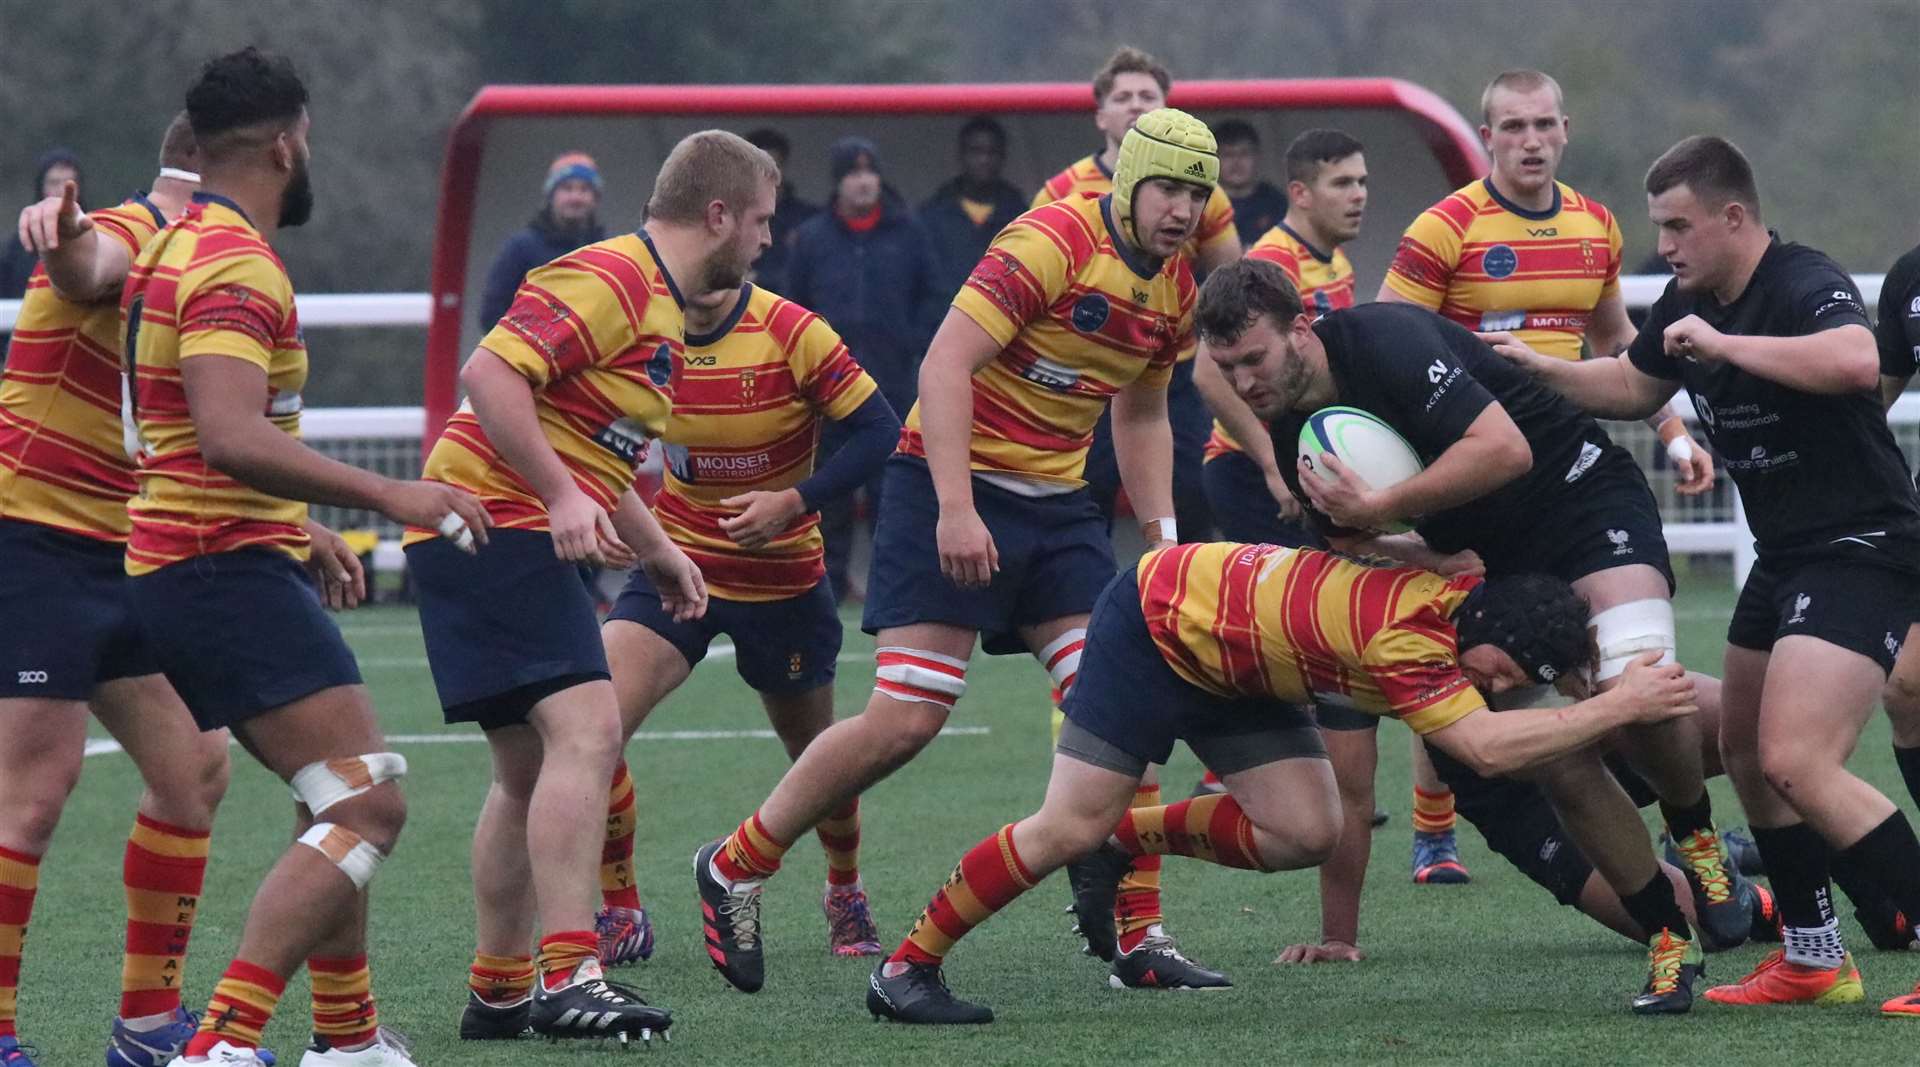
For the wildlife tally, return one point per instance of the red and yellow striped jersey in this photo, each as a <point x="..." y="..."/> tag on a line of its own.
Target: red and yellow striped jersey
<point x="208" y="285"/>
<point x="1301" y="625"/>
<point x="747" y="404"/>
<point x="63" y="458"/>
<point x="1488" y="264"/>
<point x="1078" y="317"/>
<point x="597" y="333"/>
<point x="1090" y="176"/>
<point x="1324" y="281"/>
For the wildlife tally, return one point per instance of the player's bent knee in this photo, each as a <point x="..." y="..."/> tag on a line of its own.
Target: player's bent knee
<point x="356" y="857"/>
<point x="1628" y="630"/>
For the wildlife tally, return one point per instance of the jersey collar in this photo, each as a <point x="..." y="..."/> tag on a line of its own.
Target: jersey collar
<point x="1128" y="254"/>
<point x="159" y="219"/>
<point x="1101" y="164"/>
<point x="672" y="286"/>
<point x="1535" y="216"/>
<point x="216" y="198"/>
<point x="1324" y="257"/>
<point x="726" y="325"/>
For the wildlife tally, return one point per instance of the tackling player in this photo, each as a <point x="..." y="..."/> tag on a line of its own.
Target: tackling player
<point x="1222" y="645"/>
<point x="564" y="395"/>
<point x="1077" y="305"/>
<point x="1897" y="334"/>
<point x="217" y="546"/>
<point x="1525" y="482"/>
<point x="761" y="377"/>
<point x="71" y="642"/>
<point x="1771" y="341"/>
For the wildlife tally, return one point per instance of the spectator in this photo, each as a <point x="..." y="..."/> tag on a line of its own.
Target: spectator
<point x="866" y="265"/>
<point x="963" y="216"/>
<point x="50" y="175"/>
<point x="568" y="219"/>
<point x="1257" y="204"/>
<point x="789" y="211"/>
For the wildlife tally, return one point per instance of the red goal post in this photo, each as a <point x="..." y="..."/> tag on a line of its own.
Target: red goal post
<point x="1418" y="148"/>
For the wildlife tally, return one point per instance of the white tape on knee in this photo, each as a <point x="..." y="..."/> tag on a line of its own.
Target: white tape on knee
<point x="911" y="674"/>
<point x="1629" y="629"/>
<point x="1061" y="658"/>
<point x="322" y="785"/>
<point x="355" y="858"/>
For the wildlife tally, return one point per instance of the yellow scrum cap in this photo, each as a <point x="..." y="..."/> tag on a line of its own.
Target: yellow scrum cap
<point x="1164" y="143"/>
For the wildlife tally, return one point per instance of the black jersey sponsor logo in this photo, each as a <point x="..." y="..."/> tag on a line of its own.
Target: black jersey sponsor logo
<point x="707" y="360"/>
<point x="1589" y="455"/>
<point x="1543" y="231"/>
<point x="1621" y="542"/>
<point x="1047" y="374"/>
<point x="1913" y="309"/>
<point x="626" y="438"/>
<point x="1801" y="602"/>
<point x="1442" y="378"/>
<point x="1500" y="261"/>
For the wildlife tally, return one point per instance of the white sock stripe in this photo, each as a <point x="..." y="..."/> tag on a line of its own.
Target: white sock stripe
<point x="1076" y="637"/>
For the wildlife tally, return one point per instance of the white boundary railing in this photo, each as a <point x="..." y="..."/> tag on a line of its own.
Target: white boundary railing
<point x="388" y="438"/>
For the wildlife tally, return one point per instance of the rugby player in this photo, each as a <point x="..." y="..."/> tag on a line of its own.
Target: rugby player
<point x="71" y="642"/>
<point x="1527" y="483"/>
<point x="220" y="546"/>
<point x="1222" y="645"/>
<point x="1771" y="341"/>
<point x="565" y="394"/>
<point x="1077" y="304"/>
<point x="761" y="377"/>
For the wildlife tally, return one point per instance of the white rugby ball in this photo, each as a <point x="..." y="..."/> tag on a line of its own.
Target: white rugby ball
<point x="1366" y="446"/>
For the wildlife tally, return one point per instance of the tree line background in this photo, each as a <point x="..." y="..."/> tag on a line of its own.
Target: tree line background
<point x="1825" y="97"/>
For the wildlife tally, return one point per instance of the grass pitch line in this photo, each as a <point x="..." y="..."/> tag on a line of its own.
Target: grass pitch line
<point x="101" y="746"/>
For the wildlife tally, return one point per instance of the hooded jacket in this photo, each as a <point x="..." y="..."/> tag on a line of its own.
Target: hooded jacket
<point x="16" y="264"/>
<point x="958" y="244"/>
<point x="541" y="242"/>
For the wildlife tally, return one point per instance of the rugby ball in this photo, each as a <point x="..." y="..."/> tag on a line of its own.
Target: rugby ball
<point x="1365" y="445"/>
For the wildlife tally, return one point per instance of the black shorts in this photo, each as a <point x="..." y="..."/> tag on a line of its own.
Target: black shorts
<point x="65" y="622"/>
<point x="506" y="627"/>
<point x="1859" y="606"/>
<point x="240" y="633"/>
<point x="1055" y="557"/>
<point x="780" y="647"/>
<point x="1128" y="707"/>
<point x="1606" y="519"/>
<point x="1244" y="508"/>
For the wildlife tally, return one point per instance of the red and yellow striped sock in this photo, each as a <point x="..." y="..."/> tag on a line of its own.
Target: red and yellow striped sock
<point x="840" y="836"/>
<point x="1211" y="827"/>
<point x="987" y="879"/>
<point x="19" y="880"/>
<point x="1136" y="909"/>
<point x="562" y="952"/>
<point x="500" y="980"/>
<point x="164" y="869"/>
<point x="1432" y="812"/>
<point x="343" y="1010"/>
<point x="751" y="854"/>
<point x="616" y="856"/>
<point x="241" y="1006"/>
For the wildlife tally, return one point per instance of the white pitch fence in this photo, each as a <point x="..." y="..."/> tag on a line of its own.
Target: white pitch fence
<point x="387" y="439"/>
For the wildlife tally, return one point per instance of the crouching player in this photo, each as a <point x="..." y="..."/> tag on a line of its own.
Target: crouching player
<point x="564" y="395"/>
<point x="761" y="376"/>
<point x="1222" y="645"/>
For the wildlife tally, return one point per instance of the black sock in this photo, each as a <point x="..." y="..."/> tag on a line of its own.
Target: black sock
<point x="1682" y="821"/>
<point x="1909" y="761"/>
<point x="1655" y="909"/>
<point x="1889" y="855"/>
<point x="1796" y="860"/>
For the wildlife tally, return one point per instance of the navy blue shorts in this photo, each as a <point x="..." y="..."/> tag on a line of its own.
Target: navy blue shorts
<point x="1128" y="707"/>
<point x="65" y="622"/>
<point x="1860" y="606"/>
<point x="780" y="647"/>
<point x="505" y="628"/>
<point x="1055" y="557"/>
<point x="1244" y="508"/>
<point x="240" y="633"/>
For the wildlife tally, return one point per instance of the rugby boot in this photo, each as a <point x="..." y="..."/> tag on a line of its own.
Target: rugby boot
<point x="1766" y="917"/>
<point x="589" y="1006"/>
<point x="1904" y="1006"/>
<point x="220" y="1055"/>
<point x="1776" y="981"/>
<point x="14" y="1054"/>
<point x="1095" y="879"/>
<point x="1672" y="966"/>
<point x="127" y="1047"/>
<point x="482" y="1021"/>
<point x="1156" y="963"/>
<point x="625" y="936"/>
<point x="1436" y="859"/>
<point x="919" y="994"/>
<point x="388" y="1049"/>
<point x="850" y="929"/>
<point x="730" y="922"/>
<point x="1720" y="904"/>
